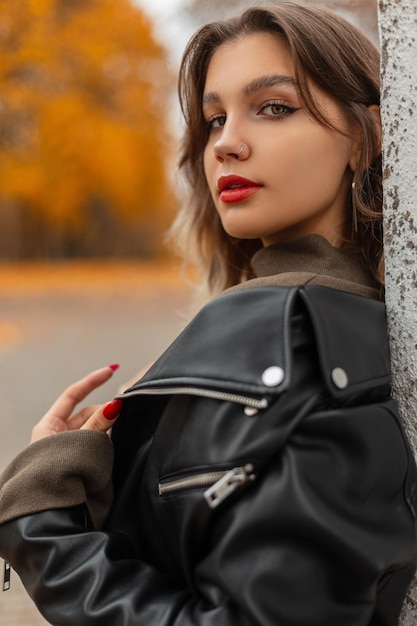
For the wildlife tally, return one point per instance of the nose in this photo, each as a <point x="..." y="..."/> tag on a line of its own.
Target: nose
<point x="238" y="153"/>
<point x="230" y="146"/>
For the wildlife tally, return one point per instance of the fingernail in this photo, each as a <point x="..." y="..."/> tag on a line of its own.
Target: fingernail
<point x="112" y="410"/>
<point x="114" y="367"/>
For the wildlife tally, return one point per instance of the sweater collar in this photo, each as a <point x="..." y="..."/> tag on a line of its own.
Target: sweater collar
<point x="312" y="253"/>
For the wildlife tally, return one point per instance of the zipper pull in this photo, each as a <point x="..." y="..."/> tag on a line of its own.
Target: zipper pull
<point x="6" y="576"/>
<point x="224" y="487"/>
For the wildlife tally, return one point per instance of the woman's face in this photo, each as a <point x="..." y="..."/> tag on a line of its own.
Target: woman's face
<point x="273" y="171"/>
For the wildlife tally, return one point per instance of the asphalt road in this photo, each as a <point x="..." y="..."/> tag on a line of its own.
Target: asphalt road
<point x="51" y="335"/>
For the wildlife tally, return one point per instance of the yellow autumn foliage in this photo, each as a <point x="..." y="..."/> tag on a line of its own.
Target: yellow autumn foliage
<point x="83" y="93"/>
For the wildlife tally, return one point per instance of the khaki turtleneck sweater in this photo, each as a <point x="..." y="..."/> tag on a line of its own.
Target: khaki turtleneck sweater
<point x="312" y="260"/>
<point x="75" y="467"/>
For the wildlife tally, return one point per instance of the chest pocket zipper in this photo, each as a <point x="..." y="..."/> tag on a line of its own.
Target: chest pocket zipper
<point x="6" y="576"/>
<point x="221" y="484"/>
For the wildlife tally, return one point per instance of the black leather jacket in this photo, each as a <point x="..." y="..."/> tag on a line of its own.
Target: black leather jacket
<point x="261" y="478"/>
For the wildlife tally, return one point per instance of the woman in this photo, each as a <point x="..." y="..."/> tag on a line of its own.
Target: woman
<point x="260" y="473"/>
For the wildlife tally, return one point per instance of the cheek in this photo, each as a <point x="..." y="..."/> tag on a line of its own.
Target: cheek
<point x="206" y="165"/>
<point x="316" y="159"/>
<point x="209" y="170"/>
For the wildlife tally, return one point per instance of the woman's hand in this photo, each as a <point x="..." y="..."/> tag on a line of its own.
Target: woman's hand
<point x="60" y="417"/>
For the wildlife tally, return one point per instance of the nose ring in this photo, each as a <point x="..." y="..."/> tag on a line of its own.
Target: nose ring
<point x="240" y="151"/>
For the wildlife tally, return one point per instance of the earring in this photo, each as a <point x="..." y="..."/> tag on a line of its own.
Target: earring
<point x="354" y="211"/>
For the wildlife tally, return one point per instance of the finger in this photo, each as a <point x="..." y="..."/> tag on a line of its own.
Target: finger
<point x="45" y="429"/>
<point x="75" y="393"/>
<point x="79" y="419"/>
<point x="104" y="418"/>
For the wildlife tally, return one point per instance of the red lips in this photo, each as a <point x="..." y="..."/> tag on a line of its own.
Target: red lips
<point x="235" y="188"/>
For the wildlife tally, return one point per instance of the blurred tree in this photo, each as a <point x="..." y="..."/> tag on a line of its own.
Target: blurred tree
<point x="83" y="139"/>
<point x="364" y="13"/>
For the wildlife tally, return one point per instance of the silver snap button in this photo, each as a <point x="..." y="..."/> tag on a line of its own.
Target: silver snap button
<point x="273" y="376"/>
<point x="340" y="378"/>
<point x="250" y="411"/>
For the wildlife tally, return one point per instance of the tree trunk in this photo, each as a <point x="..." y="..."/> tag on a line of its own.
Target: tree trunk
<point x="398" y="36"/>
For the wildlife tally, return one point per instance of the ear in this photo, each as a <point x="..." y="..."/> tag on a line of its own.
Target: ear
<point x="375" y="112"/>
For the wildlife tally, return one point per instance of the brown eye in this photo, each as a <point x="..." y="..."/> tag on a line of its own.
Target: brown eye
<point x="217" y="121"/>
<point x="276" y="110"/>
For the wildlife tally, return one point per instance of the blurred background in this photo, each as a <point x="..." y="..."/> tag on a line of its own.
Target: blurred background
<point x="89" y="129"/>
<point x="88" y="123"/>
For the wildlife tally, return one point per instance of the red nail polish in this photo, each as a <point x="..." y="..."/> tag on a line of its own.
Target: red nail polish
<point x="114" y="367"/>
<point x="112" y="410"/>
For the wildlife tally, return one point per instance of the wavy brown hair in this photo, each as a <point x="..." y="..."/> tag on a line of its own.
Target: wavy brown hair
<point x="334" y="55"/>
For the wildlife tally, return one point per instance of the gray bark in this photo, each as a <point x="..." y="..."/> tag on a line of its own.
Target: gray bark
<point x="398" y="37"/>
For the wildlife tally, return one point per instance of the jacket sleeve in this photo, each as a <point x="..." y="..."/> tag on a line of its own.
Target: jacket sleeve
<point x="312" y="543"/>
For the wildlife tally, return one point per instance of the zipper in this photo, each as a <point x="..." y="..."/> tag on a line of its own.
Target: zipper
<point x="221" y="483"/>
<point x="6" y="576"/>
<point x="251" y="403"/>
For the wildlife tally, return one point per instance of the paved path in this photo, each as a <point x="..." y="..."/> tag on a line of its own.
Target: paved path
<point x="59" y="324"/>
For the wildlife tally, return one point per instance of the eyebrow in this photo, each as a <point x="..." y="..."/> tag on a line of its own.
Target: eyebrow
<point x="261" y="82"/>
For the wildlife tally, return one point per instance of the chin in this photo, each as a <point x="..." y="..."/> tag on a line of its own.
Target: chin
<point x="240" y="233"/>
<point x="243" y="235"/>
